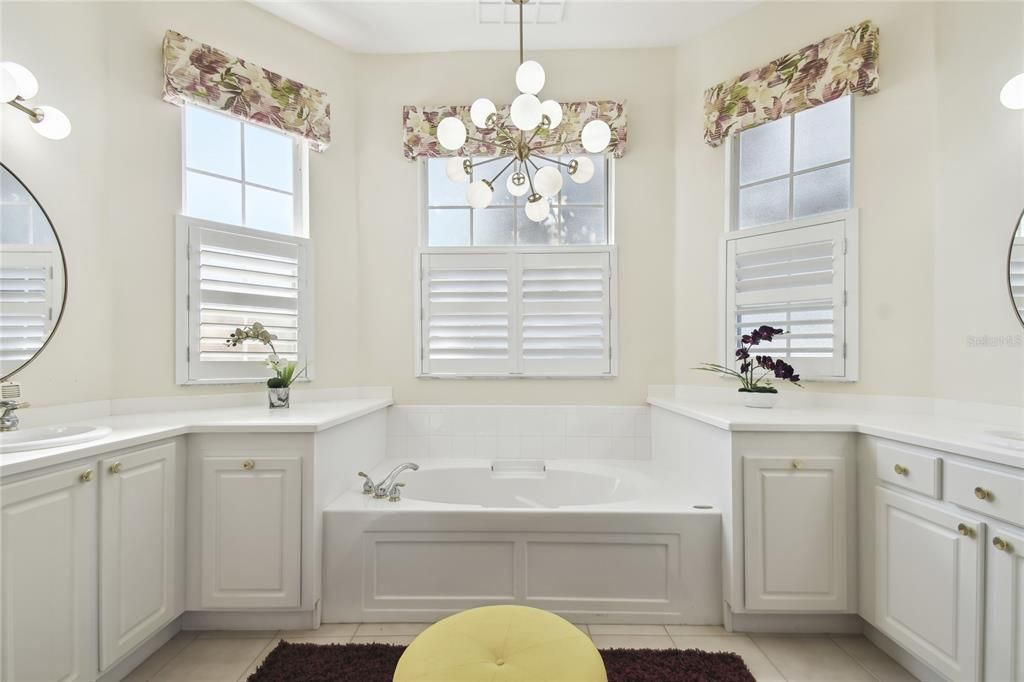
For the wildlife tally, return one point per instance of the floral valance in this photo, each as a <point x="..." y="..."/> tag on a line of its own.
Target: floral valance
<point x="838" y="65"/>
<point x="420" y="124"/>
<point x="195" y="73"/>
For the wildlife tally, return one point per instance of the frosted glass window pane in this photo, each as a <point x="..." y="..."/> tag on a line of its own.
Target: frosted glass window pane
<point x="583" y="225"/>
<point x="822" y="191"/>
<point x="586" y="193"/>
<point x="764" y="151"/>
<point x="440" y="190"/>
<point x="268" y="210"/>
<point x="822" y="134"/>
<point x="494" y="226"/>
<point x="268" y="158"/>
<point x="501" y="196"/>
<point x="213" y="198"/>
<point x="213" y="143"/>
<point x="764" y="204"/>
<point x="448" y="227"/>
<point x="547" y="232"/>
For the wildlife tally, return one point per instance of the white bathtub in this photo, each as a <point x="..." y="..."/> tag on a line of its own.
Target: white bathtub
<point x="590" y="540"/>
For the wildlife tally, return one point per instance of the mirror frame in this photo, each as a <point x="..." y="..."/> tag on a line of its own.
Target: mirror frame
<point x="1009" y="258"/>
<point x="64" y="264"/>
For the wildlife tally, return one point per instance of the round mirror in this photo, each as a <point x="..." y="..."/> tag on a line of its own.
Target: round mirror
<point x="33" y="279"/>
<point x="1015" y="269"/>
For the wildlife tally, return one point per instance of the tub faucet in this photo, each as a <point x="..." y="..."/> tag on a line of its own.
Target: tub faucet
<point x="9" y="420"/>
<point x="389" y="487"/>
<point x="368" y="484"/>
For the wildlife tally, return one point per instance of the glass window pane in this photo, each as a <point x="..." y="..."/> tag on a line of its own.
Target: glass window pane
<point x="822" y="134"/>
<point x="268" y="210"/>
<point x="822" y="191"/>
<point x="448" y="227"/>
<point x="501" y="195"/>
<point x="494" y="226"/>
<point x="268" y="158"/>
<point x="213" y="198"/>
<point x="213" y="142"/>
<point x="440" y="190"/>
<point x="583" y="225"/>
<point x="764" y="151"/>
<point x="591" y="192"/>
<point x="545" y="232"/>
<point x="764" y="204"/>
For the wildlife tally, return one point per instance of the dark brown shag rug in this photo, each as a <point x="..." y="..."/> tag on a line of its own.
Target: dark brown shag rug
<point x="376" y="663"/>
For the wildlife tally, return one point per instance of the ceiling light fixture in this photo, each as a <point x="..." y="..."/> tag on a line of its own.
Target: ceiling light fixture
<point x="17" y="84"/>
<point x="519" y="145"/>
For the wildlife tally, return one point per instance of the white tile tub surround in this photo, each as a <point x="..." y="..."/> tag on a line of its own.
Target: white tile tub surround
<point x="519" y="432"/>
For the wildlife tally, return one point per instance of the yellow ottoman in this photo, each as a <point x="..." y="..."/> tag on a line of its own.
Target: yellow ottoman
<point x="501" y="643"/>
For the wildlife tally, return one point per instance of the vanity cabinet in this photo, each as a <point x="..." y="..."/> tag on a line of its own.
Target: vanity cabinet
<point x="250" y="531"/>
<point x="929" y="581"/>
<point x="139" y="557"/>
<point x="1004" y="612"/>
<point x="796" y="533"/>
<point x="48" y="577"/>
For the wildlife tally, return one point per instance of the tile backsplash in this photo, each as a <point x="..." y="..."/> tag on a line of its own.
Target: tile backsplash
<point x="519" y="431"/>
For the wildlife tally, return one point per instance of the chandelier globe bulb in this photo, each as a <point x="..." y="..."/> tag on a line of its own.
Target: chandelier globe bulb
<point x="517" y="184"/>
<point x="538" y="208"/>
<point x="581" y="169"/>
<point x="530" y="77"/>
<point x="451" y="133"/>
<point x="526" y="112"/>
<point x="479" y="194"/>
<point x="481" y="112"/>
<point x="548" y="181"/>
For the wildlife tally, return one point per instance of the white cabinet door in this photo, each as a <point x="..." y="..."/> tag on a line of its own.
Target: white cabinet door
<point x="796" y="533"/>
<point x="251" y="532"/>
<point x="138" y="562"/>
<point x="929" y="582"/>
<point x="1004" y="629"/>
<point x="48" y="548"/>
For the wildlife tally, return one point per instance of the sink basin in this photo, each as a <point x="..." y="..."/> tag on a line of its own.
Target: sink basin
<point x="1006" y="439"/>
<point x="50" y="437"/>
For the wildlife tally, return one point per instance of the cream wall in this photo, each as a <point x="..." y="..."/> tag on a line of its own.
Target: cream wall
<point x="389" y="214"/>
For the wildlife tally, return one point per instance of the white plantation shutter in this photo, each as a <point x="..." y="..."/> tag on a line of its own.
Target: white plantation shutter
<point x="1017" y="273"/>
<point x="516" y="314"/>
<point x="31" y="287"/>
<point x="792" y="279"/>
<point x="237" y="276"/>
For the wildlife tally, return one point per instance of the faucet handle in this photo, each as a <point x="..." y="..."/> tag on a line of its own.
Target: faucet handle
<point x="368" y="484"/>
<point x="13" y="404"/>
<point x="395" y="494"/>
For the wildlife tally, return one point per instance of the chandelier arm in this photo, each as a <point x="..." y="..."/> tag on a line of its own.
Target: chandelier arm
<point x="546" y="158"/>
<point x="502" y="171"/>
<point x="521" y="31"/>
<point x="490" y="160"/>
<point x="529" y="178"/>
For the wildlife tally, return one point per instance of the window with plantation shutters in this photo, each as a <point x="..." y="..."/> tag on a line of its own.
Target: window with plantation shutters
<point x="517" y="313"/>
<point x="798" y="279"/>
<point x="30" y="289"/>
<point x="233" y="277"/>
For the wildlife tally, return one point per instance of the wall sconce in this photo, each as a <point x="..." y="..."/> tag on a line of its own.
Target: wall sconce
<point x="1012" y="94"/>
<point x="17" y="84"/>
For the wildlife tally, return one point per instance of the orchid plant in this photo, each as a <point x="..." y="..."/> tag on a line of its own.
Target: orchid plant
<point x="756" y="372"/>
<point x="285" y="371"/>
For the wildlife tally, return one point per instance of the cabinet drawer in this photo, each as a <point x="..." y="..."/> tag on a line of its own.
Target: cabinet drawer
<point x="986" y="490"/>
<point x="909" y="468"/>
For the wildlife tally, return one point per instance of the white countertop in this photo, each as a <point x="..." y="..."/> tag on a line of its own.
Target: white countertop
<point x="965" y="438"/>
<point x="129" y="430"/>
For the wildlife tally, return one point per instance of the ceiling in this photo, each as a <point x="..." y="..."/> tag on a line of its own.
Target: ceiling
<point x="403" y="26"/>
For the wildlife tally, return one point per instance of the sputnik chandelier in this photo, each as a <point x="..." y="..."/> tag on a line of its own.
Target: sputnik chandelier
<point x="533" y="173"/>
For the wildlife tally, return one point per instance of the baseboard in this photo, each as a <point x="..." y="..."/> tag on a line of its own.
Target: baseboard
<point x="795" y="623"/>
<point x="917" y="668"/>
<point x="133" y="660"/>
<point x="250" y="620"/>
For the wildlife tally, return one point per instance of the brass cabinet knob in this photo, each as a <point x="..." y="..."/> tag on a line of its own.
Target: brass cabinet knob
<point x="115" y="468"/>
<point x="1001" y="544"/>
<point x="982" y="494"/>
<point x="85" y="476"/>
<point x="797" y="464"/>
<point x="248" y="464"/>
<point x="965" y="530"/>
<point x="901" y="470"/>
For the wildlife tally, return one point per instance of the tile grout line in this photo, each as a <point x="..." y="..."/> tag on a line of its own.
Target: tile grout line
<point x="856" y="660"/>
<point x="169" y="660"/>
<point x="766" y="656"/>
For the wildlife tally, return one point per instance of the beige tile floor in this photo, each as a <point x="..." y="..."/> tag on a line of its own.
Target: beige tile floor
<point x="232" y="656"/>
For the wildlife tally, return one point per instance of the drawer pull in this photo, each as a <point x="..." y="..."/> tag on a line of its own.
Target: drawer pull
<point x="965" y="530"/>
<point x="248" y="465"/>
<point x="797" y="464"/>
<point x="85" y="476"/>
<point x="901" y="470"/>
<point x="982" y="494"/>
<point x="1001" y="544"/>
<point x="115" y="468"/>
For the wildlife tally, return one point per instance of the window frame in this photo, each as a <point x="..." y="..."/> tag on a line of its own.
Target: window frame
<point x="732" y="176"/>
<point x="300" y="168"/>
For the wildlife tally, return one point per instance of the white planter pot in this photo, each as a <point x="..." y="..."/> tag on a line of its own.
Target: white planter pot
<point x="760" y="400"/>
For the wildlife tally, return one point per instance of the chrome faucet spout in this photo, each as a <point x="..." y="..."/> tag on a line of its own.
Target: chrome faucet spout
<point x="9" y="420"/>
<point x="385" y="488"/>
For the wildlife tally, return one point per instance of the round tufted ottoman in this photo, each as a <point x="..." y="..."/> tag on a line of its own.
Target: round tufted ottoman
<point x="503" y="643"/>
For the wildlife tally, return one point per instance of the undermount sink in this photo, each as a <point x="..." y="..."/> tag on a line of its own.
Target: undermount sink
<point x="50" y="437"/>
<point x="1007" y="439"/>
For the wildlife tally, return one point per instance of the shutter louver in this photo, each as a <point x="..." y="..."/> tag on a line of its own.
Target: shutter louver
<point x="27" y="292"/>
<point x="238" y="277"/>
<point x="792" y="280"/>
<point x="1017" y="274"/>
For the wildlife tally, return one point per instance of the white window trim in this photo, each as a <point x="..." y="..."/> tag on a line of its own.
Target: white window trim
<point x="300" y="168"/>
<point x="183" y="293"/>
<point x="851" y="337"/>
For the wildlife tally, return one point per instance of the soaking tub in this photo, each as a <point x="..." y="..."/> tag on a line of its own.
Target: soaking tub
<point x="592" y="541"/>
